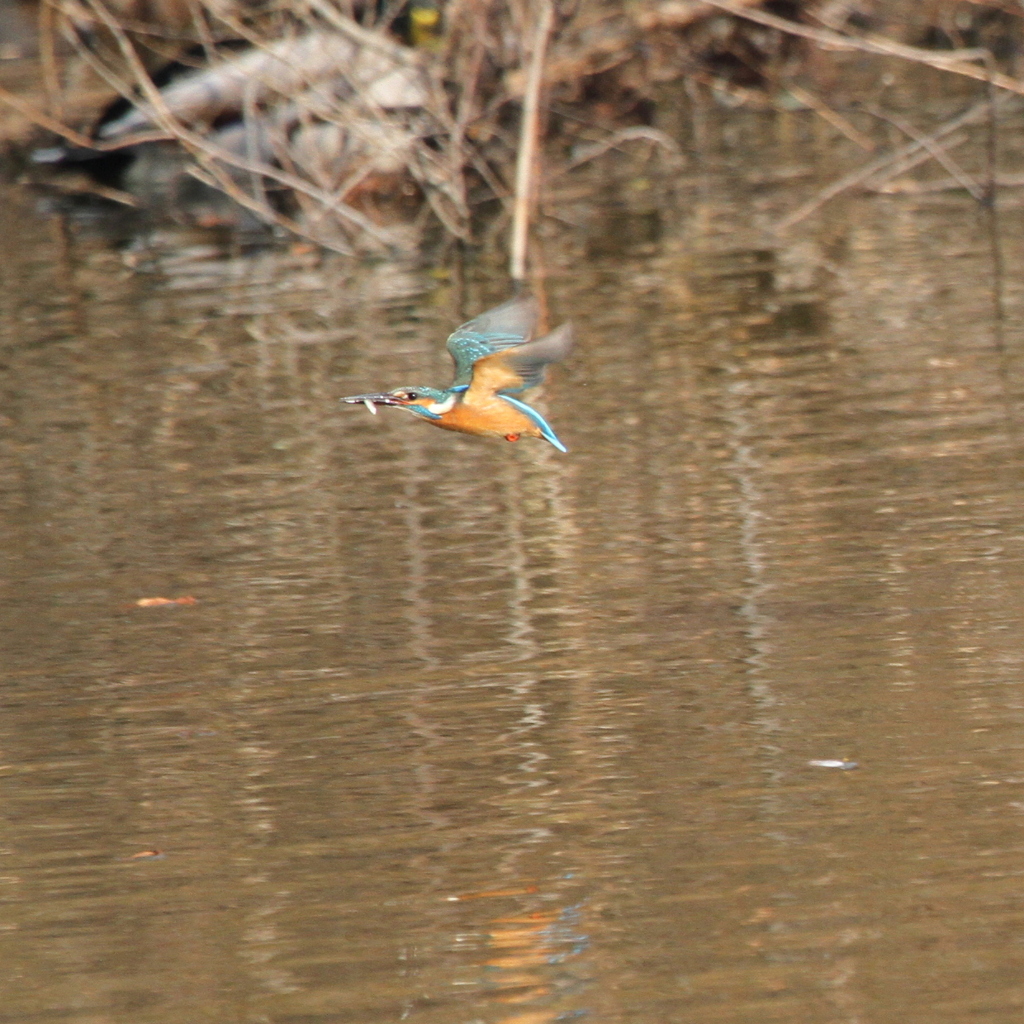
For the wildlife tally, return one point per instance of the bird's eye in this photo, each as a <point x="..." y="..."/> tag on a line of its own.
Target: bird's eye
<point x="411" y="396"/>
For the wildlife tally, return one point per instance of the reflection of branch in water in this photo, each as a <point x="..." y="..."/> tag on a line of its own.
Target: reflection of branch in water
<point x="744" y="468"/>
<point x="539" y="528"/>
<point x="936" y="152"/>
<point x="896" y="160"/>
<point x="901" y="647"/>
<point x="415" y="596"/>
<point x="520" y="631"/>
<point x="260" y="937"/>
<point x="426" y="793"/>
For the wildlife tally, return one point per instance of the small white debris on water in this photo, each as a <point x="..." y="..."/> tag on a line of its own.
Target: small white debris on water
<point x="844" y="765"/>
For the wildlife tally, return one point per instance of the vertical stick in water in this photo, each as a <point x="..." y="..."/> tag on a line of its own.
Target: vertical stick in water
<point x="526" y="161"/>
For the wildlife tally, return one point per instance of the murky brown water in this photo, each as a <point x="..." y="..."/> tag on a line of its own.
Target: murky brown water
<point x="459" y="731"/>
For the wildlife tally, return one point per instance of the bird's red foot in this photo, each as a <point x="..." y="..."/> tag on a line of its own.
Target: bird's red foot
<point x="512" y="437"/>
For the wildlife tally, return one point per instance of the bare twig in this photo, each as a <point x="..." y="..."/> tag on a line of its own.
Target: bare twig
<point x="955" y="61"/>
<point x="362" y="37"/>
<point x="526" y="163"/>
<point x="937" y="152"/>
<point x="48" y="59"/>
<point x="992" y="222"/>
<point x="207" y="154"/>
<point x="638" y="133"/>
<point x="114" y="195"/>
<point x="216" y="178"/>
<point x="36" y="116"/>
<point x="305" y="72"/>
<point x="910" y="187"/>
<point x="833" y="117"/>
<point x="895" y="157"/>
<point x="879" y="182"/>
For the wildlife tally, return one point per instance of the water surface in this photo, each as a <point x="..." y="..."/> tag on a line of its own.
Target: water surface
<point x="458" y="731"/>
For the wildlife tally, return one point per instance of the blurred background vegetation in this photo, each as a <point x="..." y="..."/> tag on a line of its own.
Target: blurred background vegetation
<point x="371" y="126"/>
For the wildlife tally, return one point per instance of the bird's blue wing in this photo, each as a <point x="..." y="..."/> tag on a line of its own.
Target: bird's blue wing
<point x="529" y="361"/>
<point x="545" y="428"/>
<point x="518" y="367"/>
<point x="510" y="324"/>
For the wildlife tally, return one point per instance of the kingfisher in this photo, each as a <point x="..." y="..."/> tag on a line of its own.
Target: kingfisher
<point x="496" y="358"/>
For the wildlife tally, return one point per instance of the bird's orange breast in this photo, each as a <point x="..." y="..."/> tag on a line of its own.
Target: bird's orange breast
<point x="493" y="417"/>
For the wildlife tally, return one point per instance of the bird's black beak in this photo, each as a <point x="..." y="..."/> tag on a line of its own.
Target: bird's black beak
<point x="372" y="401"/>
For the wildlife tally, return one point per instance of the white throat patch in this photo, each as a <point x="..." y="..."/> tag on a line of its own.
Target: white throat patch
<point x="438" y="408"/>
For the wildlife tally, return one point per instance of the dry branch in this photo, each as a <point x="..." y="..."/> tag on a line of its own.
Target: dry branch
<point x="896" y="158"/>
<point x="526" y="163"/>
<point x="332" y="119"/>
<point x="955" y="61"/>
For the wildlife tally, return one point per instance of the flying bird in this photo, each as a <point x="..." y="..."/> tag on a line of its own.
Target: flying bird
<point x="495" y="360"/>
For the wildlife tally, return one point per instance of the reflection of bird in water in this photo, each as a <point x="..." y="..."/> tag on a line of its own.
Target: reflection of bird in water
<point x="495" y="359"/>
<point x="529" y="958"/>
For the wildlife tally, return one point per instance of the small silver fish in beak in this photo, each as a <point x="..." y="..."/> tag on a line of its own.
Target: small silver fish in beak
<point x="371" y="401"/>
